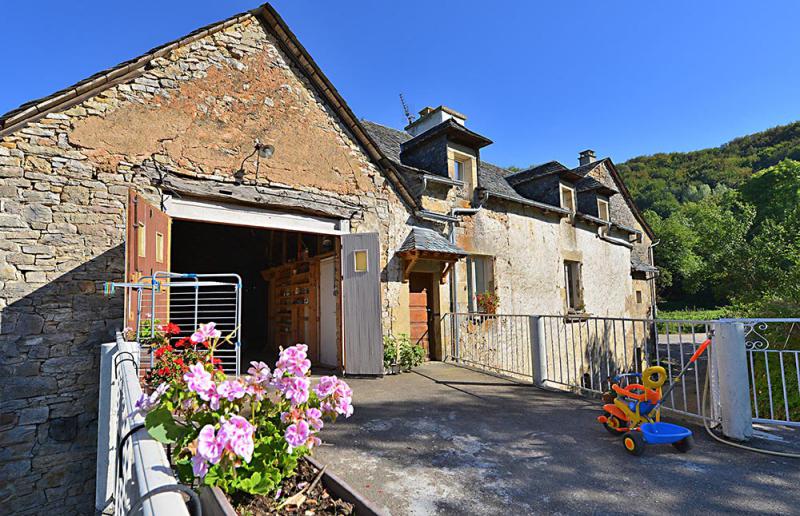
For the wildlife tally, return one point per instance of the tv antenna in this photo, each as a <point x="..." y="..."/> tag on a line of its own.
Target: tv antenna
<point x="405" y="109"/>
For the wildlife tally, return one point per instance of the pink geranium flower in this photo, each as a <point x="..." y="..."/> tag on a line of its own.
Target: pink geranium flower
<point x="293" y="360"/>
<point x="259" y="372"/>
<point x="297" y="434"/>
<point x="146" y="402"/>
<point x="326" y="386"/>
<point x="231" y="390"/>
<point x="237" y="434"/>
<point x="314" y="418"/>
<point x="198" y="379"/>
<point x="209" y="446"/>
<point x="294" y="388"/>
<point x="205" y="332"/>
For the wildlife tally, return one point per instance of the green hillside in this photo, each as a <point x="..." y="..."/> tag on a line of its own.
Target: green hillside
<point x="663" y="181"/>
<point x="728" y="221"/>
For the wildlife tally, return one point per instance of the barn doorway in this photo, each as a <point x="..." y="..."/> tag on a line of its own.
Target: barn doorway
<point x="281" y="288"/>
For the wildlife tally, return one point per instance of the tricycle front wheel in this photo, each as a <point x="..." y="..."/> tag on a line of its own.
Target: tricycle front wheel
<point x="634" y="443"/>
<point x="685" y="444"/>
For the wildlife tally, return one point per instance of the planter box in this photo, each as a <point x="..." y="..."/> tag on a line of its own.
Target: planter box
<point x="215" y="503"/>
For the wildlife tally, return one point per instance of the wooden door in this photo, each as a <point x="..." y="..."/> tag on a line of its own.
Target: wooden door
<point x="361" y="304"/>
<point x="147" y="250"/>
<point x="420" y="307"/>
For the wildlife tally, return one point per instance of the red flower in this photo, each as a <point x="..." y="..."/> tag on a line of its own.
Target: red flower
<point x="185" y="342"/>
<point x="171" y="329"/>
<point x="163" y="349"/>
<point x="216" y="361"/>
<point x="163" y="371"/>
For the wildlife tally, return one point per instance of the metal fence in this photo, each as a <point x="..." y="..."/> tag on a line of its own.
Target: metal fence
<point x="189" y="300"/>
<point x="773" y="355"/>
<point x="134" y="475"/>
<point x="499" y="344"/>
<point x="580" y="353"/>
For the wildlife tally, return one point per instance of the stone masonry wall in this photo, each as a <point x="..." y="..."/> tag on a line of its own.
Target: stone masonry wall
<point x="63" y="185"/>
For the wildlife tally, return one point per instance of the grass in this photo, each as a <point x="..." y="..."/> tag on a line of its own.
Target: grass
<point x="694" y="314"/>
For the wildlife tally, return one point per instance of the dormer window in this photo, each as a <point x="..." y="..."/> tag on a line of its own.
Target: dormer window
<point x="459" y="169"/>
<point x="568" y="198"/>
<point x="602" y="210"/>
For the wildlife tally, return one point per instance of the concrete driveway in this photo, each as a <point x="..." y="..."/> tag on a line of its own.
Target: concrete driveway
<point x="446" y="440"/>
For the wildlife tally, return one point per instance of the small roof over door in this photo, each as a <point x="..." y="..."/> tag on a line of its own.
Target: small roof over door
<point x="427" y="244"/>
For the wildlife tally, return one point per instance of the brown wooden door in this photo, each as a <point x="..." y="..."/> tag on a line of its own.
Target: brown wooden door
<point x="420" y="307"/>
<point x="147" y="250"/>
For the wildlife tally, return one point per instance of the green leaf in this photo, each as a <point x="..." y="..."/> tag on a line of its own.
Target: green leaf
<point x="162" y="427"/>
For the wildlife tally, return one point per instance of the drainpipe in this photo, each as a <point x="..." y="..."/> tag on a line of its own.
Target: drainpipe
<point x="454" y="271"/>
<point x="653" y="307"/>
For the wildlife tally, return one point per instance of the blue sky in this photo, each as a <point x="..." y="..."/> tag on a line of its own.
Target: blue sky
<point x="544" y="80"/>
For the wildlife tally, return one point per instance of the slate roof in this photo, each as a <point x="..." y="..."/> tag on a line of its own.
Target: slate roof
<point x="551" y="167"/>
<point x="638" y="265"/>
<point x="589" y="183"/>
<point x="424" y="239"/>
<point x="389" y="140"/>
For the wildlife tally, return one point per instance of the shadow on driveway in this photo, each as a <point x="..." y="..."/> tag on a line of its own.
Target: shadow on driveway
<point x="447" y="440"/>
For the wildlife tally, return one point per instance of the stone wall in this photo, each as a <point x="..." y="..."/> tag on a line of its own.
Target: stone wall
<point x="193" y="113"/>
<point x="529" y="249"/>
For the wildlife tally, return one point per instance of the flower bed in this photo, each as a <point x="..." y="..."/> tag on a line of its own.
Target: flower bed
<point x="243" y="435"/>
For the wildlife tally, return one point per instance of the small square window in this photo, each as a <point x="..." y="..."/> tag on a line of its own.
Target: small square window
<point x="360" y="260"/>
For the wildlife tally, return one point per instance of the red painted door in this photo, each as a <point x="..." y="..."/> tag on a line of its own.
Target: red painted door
<point x="147" y="250"/>
<point x="420" y="309"/>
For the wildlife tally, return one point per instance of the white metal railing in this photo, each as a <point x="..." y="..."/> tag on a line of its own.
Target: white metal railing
<point x="189" y="300"/>
<point x="495" y="343"/>
<point x="579" y="353"/>
<point x="133" y="472"/>
<point x="773" y="355"/>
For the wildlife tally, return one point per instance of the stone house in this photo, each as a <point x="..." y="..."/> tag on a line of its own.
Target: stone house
<point x="391" y="228"/>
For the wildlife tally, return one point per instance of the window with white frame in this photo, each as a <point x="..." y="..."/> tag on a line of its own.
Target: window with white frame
<point x="574" y="289"/>
<point x="480" y="278"/>
<point x="568" y="198"/>
<point x="602" y="210"/>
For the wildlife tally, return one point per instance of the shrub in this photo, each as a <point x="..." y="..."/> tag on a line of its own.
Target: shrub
<point x="242" y="434"/>
<point x="399" y="350"/>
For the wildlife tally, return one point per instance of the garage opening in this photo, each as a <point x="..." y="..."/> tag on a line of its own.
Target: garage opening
<point x="289" y="284"/>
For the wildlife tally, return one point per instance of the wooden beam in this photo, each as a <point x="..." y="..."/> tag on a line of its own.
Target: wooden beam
<point x="409" y="265"/>
<point x="446" y="272"/>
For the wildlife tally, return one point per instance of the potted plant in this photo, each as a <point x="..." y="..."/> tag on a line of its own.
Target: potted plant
<point x="391" y="352"/>
<point x="488" y="302"/>
<point x="246" y="436"/>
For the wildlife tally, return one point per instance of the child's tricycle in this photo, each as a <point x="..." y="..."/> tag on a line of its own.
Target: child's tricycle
<point x="634" y="410"/>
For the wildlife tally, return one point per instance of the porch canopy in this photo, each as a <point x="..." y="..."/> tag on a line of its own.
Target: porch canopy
<point x="427" y="244"/>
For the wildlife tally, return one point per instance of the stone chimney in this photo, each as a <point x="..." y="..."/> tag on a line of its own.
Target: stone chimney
<point x="586" y="157"/>
<point x="431" y="117"/>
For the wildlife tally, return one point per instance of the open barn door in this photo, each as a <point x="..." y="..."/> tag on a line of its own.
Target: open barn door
<point x="361" y="300"/>
<point x="147" y="250"/>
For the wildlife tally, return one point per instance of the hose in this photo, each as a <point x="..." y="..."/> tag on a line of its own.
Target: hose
<point x="703" y="412"/>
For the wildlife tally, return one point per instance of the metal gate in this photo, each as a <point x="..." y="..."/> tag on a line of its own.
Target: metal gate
<point x="190" y="300"/>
